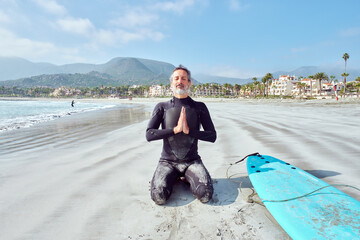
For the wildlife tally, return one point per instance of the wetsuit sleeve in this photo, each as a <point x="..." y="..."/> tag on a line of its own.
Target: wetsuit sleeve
<point x="209" y="133"/>
<point x="152" y="131"/>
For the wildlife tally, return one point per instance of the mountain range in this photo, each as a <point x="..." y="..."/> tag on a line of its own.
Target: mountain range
<point x="120" y="71"/>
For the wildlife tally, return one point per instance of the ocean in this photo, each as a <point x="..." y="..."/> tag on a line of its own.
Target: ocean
<point x="15" y="114"/>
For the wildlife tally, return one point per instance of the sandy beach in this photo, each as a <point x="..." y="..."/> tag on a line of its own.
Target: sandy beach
<point x="87" y="176"/>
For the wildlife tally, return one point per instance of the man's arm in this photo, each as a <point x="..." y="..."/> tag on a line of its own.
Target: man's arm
<point x="209" y="133"/>
<point x="152" y="131"/>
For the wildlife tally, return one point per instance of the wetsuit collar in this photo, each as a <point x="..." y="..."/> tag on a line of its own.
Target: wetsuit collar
<point x="183" y="100"/>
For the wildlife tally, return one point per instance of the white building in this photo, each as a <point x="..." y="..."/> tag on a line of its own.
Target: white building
<point x="326" y="87"/>
<point x="311" y="86"/>
<point x="158" y="91"/>
<point x="283" y="86"/>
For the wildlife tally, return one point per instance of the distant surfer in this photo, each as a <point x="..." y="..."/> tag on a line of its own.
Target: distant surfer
<point x="72" y="103"/>
<point x="180" y="120"/>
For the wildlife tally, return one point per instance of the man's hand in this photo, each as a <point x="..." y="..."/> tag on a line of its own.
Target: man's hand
<point x="185" y="127"/>
<point x="182" y="125"/>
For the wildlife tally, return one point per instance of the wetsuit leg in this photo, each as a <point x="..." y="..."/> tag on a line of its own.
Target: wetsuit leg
<point x="200" y="181"/>
<point x="161" y="185"/>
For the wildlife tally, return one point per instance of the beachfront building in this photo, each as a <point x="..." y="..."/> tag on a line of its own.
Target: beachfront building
<point x="207" y="90"/>
<point x="327" y="88"/>
<point x="284" y="85"/>
<point x="290" y="85"/>
<point x="311" y="87"/>
<point x="156" y="91"/>
<point x="64" y="91"/>
<point x="159" y="90"/>
<point x="339" y="86"/>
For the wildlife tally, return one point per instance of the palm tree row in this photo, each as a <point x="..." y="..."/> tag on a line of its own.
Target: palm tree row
<point x="253" y="89"/>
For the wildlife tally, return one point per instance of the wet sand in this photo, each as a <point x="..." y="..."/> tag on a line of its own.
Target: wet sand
<point x="87" y="176"/>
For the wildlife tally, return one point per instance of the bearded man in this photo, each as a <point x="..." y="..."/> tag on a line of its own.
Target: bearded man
<point x="180" y="120"/>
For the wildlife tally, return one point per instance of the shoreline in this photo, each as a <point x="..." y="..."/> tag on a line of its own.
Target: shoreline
<point x="203" y="99"/>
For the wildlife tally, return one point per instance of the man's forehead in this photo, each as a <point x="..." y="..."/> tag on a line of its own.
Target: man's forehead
<point x="180" y="72"/>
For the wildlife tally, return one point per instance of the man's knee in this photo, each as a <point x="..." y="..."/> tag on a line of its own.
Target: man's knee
<point x="204" y="192"/>
<point x="160" y="195"/>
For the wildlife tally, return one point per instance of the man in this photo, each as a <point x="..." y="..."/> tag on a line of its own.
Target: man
<point x="180" y="120"/>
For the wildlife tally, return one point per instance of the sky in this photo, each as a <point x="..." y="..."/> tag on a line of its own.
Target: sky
<point x="230" y="38"/>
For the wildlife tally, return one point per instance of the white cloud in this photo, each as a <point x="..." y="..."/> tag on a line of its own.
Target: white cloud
<point x="81" y="26"/>
<point x="135" y="18"/>
<point x="51" y="6"/>
<point x="120" y="37"/>
<point x="175" y="6"/>
<point x="12" y="45"/>
<point x="114" y="37"/>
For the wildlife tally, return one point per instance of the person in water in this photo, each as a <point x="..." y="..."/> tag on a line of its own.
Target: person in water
<point x="72" y="103"/>
<point x="180" y="120"/>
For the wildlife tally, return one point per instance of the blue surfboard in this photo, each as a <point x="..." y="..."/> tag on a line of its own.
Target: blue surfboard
<point x="327" y="213"/>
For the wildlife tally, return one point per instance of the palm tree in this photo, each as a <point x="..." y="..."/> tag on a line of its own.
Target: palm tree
<point x="357" y="79"/>
<point x="320" y="76"/>
<point x="300" y="86"/>
<point x="345" y="57"/>
<point x="332" y="77"/>
<point x="311" y="77"/>
<point x="237" y="88"/>
<point x="248" y="89"/>
<point x="345" y="75"/>
<point x="268" y="77"/>
<point x="263" y="80"/>
<point x="357" y="85"/>
<point x="255" y="84"/>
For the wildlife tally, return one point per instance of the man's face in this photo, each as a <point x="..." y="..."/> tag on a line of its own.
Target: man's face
<point x="180" y="82"/>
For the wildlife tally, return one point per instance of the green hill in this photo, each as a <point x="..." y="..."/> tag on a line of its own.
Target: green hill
<point x="118" y="71"/>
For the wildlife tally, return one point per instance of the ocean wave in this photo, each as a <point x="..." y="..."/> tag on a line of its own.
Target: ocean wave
<point x="11" y="122"/>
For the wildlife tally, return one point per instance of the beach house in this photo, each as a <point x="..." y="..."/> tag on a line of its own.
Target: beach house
<point x="284" y="85"/>
<point x="159" y="90"/>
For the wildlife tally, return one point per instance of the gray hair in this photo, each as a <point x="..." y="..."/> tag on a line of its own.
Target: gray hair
<point x="181" y="67"/>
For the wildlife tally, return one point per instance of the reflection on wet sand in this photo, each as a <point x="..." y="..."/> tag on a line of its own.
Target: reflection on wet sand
<point x="70" y="130"/>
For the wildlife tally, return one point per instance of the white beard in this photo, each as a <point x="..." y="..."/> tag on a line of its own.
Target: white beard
<point x="181" y="91"/>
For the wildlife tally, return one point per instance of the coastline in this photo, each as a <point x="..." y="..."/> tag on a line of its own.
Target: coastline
<point x="145" y="101"/>
<point x="91" y="177"/>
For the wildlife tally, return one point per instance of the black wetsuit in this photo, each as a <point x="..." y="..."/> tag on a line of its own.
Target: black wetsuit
<point x="179" y="155"/>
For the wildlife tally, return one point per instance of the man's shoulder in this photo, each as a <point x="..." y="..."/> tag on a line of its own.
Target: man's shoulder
<point x="164" y="104"/>
<point x="199" y="104"/>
